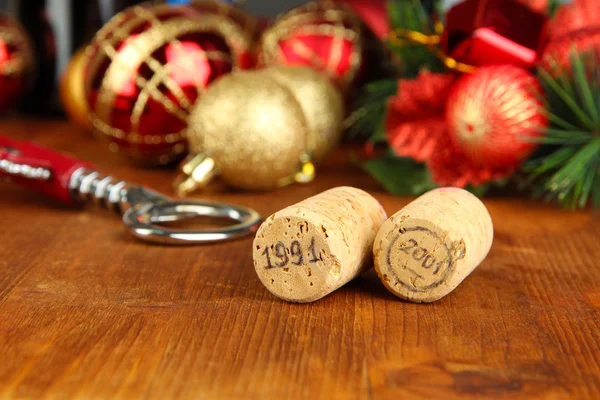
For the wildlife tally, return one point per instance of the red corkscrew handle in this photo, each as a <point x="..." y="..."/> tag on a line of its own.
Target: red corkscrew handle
<point x="39" y="168"/>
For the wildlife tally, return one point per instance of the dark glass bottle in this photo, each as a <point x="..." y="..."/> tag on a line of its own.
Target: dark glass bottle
<point x="57" y="29"/>
<point x="33" y="15"/>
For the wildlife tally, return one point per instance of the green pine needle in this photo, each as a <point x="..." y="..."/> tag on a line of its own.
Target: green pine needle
<point x="553" y="6"/>
<point x="567" y="167"/>
<point x="412" y="16"/>
<point x="368" y="118"/>
<point x="563" y="91"/>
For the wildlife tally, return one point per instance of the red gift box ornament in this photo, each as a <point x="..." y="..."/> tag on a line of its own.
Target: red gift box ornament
<point x="484" y="32"/>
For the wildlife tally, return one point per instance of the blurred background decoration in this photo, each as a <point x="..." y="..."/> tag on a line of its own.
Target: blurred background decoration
<point x="322" y="35"/>
<point x="147" y="67"/>
<point x="487" y="94"/>
<point x="72" y="90"/>
<point x="17" y="61"/>
<point x="58" y="28"/>
<point x="481" y="94"/>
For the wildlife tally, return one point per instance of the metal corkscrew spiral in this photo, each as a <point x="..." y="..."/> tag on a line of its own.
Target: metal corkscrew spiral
<point x="92" y="187"/>
<point x="143" y="209"/>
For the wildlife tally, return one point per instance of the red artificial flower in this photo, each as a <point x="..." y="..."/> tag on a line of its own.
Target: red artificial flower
<point x="449" y="166"/>
<point x="415" y="116"/>
<point x="416" y="127"/>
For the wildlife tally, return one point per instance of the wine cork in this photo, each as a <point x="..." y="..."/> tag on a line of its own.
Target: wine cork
<point x="425" y="250"/>
<point x="306" y="251"/>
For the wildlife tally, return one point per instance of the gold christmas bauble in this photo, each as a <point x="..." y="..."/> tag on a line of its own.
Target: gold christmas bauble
<point x="321" y="102"/>
<point x="261" y="129"/>
<point x="72" y="91"/>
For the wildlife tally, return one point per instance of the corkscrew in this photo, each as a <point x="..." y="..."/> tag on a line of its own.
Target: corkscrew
<point x="77" y="182"/>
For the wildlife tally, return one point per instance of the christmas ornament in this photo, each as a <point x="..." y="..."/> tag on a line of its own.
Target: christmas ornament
<point x="574" y="16"/>
<point x="16" y="61"/>
<point x="493" y="32"/>
<point x="556" y="57"/>
<point x="321" y="103"/>
<point x="434" y="131"/>
<point x="75" y="182"/>
<point x="416" y="127"/>
<point x="72" y="92"/>
<point x="261" y="129"/>
<point x="146" y="68"/>
<point x="493" y="114"/>
<point x="320" y="35"/>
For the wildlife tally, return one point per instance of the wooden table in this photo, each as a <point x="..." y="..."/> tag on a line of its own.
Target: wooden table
<point x="87" y="311"/>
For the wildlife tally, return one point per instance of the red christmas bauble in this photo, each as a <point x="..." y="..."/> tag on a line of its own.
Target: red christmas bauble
<point x="145" y="69"/>
<point x="321" y="35"/>
<point x="556" y="57"/>
<point x="16" y="61"/>
<point x="493" y="113"/>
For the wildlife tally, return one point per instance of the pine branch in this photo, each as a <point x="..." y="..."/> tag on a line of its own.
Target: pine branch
<point x="567" y="166"/>
<point x="368" y="118"/>
<point x="412" y="16"/>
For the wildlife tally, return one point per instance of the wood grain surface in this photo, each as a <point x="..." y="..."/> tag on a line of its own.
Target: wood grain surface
<point x="88" y="312"/>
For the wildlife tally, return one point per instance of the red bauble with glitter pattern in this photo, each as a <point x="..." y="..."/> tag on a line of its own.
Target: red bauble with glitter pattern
<point x="493" y="113"/>
<point x="321" y="35"/>
<point x="16" y="61"/>
<point x="145" y="70"/>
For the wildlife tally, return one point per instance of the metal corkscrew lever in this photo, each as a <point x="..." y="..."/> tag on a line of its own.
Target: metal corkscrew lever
<point x="73" y="181"/>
